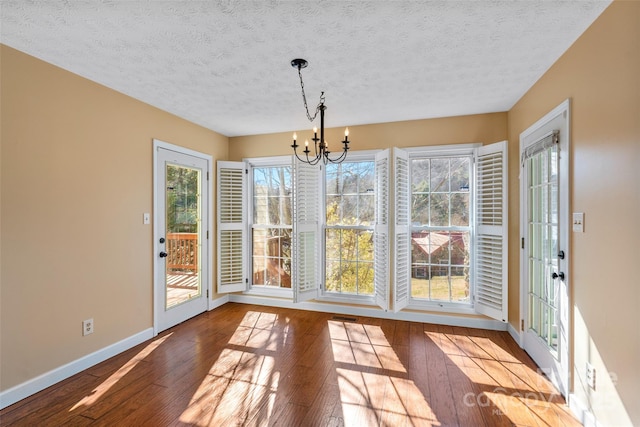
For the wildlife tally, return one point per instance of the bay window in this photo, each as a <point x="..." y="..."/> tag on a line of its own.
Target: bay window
<point x="322" y="232"/>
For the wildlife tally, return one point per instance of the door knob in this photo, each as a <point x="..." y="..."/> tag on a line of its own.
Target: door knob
<point x="555" y="275"/>
<point x="163" y="254"/>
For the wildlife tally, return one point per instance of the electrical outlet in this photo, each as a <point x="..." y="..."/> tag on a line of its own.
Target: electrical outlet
<point x="87" y="327"/>
<point x="591" y="376"/>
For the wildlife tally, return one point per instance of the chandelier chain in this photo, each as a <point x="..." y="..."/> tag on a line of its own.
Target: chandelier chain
<point x="304" y="99"/>
<point x="319" y="145"/>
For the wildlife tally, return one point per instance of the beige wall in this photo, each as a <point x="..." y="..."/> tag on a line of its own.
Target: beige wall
<point x="76" y="177"/>
<point x="600" y="73"/>
<point x="485" y="128"/>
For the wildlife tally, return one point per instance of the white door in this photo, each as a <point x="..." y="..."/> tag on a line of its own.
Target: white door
<point x="181" y="244"/>
<point x="544" y="197"/>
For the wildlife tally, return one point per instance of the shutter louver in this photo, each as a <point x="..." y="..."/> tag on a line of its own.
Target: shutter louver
<point x="489" y="189"/>
<point x="489" y="271"/>
<point x="231" y="227"/>
<point x="491" y="231"/>
<point x="402" y="253"/>
<point x="381" y="231"/>
<point x="306" y="204"/>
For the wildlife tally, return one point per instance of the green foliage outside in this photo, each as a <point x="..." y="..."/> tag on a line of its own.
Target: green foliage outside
<point x="349" y="251"/>
<point x="349" y="258"/>
<point x="182" y="199"/>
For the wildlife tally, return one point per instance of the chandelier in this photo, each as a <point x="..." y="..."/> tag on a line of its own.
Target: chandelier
<point x="320" y="145"/>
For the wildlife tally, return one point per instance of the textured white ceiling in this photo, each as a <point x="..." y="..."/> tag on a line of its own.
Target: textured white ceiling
<point x="226" y="64"/>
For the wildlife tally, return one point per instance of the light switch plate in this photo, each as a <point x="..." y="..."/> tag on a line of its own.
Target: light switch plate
<point x="146" y="218"/>
<point x="578" y="222"/>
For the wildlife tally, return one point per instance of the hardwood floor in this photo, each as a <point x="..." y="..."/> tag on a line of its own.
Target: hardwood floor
<point x="252" y="365"/>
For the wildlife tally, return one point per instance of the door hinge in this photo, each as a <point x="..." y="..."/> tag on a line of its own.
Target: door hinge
<point x="207" y="234"/>
<point x="246" y="171"/>
<point x="207" y="175"/>
<point x="207" y="293"/>
<point x="522" y="244"/>
<point x="246" y="280"/>
<point x="522" y="325"/>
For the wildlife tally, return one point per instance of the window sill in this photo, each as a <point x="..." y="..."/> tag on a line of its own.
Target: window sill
<point x="443" y="307"/>
<point x="270" y="292"/>
<point x="347" y="299"/>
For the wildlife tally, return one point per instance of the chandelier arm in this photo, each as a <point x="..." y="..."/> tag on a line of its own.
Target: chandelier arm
<point x="298" y="157"/>
<point x="314" y="161"/>
<point x="339" y="159"/>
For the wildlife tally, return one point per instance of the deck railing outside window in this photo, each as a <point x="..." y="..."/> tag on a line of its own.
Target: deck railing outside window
<point x="182" y="250"/>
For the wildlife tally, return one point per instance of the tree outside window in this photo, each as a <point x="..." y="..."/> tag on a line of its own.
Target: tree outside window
<point x="350" y="211"/>
<point x="272" y="226"/>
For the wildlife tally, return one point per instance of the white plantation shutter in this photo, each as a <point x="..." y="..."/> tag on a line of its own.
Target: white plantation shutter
<point x="491" y="231"/>
<point x="306" y="212"/>
<point x="401" y="241"/>
<point x="232" y="220"/>
<point x="381" y="231"/>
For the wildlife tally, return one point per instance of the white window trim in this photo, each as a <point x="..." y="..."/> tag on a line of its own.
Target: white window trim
<point x="442" y="150"/>
<point x="442" y="307"/>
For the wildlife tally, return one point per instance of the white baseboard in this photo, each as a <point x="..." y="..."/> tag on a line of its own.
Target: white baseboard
<point x="213" y="304"/>
<point x="438" y="319"/>
<point x="517" y="336"/>
<point x="582" y="412"/>
<point x="39" y="383"/>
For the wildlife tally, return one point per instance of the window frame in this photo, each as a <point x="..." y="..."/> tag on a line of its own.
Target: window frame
<point x="447" y="151"/>
<point x="262" y="162"/>
<point x="489" y="260"/>
<point x="335" y="297"/>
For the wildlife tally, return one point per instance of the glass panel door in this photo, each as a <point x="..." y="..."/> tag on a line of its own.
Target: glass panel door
<point x="181" y="236"/>
<point x="542" y="193"/>
<point x="183" y="224"/>
<point x="544" y="223"/>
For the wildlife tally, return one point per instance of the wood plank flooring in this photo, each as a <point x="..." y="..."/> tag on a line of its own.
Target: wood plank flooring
<point x="258" y="366"/>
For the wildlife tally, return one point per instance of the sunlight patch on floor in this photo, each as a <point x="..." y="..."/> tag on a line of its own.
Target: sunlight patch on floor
<point x="363" y="345"/>
<point x="99" y="391"/>
<point x="373" y="390"/>
<point x="240" y="384"/>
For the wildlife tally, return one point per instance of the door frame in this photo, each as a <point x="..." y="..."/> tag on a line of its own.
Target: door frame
<point x="206" y="221"/>
<point x="564" y="199"/>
